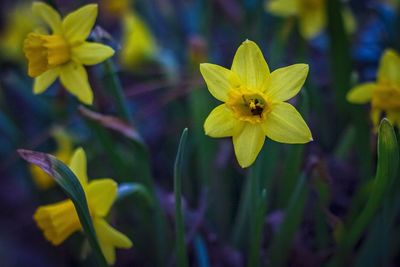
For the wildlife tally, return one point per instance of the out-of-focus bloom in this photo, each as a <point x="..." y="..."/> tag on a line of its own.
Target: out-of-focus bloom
<point x="18" y="25"/>
<point x="58" y="221"/>
<point x="255" y="104"/>
<point x="64" y="52"/>
<point x="310" y="13"/>
<point x="138" y="43"/>
<point x="63" y="153"/>
<point x="115" y="8"/>
<point x="384" y="93"/>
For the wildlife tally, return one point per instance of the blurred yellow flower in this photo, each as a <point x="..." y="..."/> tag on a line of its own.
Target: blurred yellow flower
<point x="384" y="93"/>
<point x="64" y="52"/>
<point x="115" y="8"/>
<point x="18" y="25"/>
<point x="58" y="221"/>
<point x="310" y="13"/>
<point x="63" y="153"/>
<point x="254" y="103"/>
<point x="138" y="43"/>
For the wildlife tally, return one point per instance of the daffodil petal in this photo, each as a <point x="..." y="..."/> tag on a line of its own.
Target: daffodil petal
<point x="101" y="194"/>
<point x="286" y="82"/>
<point x="249" y="64"/>
<point x="77" y="165"/>
<point x="109" y="239"/>
<point x="43" y="81"/>
<point x="221" y="122"/>
<point x="389" y="67"/>
<point x="78" y="24"/>
<point x="312" y="22"/>
<point x="74" y="78"/>
<point x="248" y="143"/>
<point x="49" y="15"/>
<point x="361" y="94"/>
<point x="284" y="124"/>
<point x="283" y="8"/>
<point x="219" y="80"/>
<point x="91" y="53"/>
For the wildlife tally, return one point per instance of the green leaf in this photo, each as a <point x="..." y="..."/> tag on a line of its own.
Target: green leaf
<point x="113" y="83"/>
<point x="181" y="254"/>
<point x="127" y="189"/>
<point x="293" y="215"/>
<point x="388" y="162"/>
<point x="201" y="252"/>
<point x="257" y="233"/>
<point x="71" y="186"/>
<point x="340" y="53"/>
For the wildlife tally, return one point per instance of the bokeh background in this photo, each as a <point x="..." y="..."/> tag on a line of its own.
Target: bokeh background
<point x="312" y="191"/>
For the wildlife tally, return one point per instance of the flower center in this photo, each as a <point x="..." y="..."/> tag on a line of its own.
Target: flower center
<point x="248" y="106"/>
<point x="386" y="98"/>
<point x="45" y="52"/>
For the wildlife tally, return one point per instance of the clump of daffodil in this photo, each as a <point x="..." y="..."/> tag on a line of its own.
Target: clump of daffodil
<point x="64" y="152"/>
<point x="58" y="221"/>
<point x="18" y="24"/>
<point x="64" y="52"/>
<point x="254" y="103"/>
<point x="384" y="93"/>
<point x="311" y="15"/>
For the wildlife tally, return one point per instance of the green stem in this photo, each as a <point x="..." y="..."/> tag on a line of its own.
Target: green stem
<point x="258" y="226"/>
<point x="181" y="254"/>
<point x="114" y="86"/>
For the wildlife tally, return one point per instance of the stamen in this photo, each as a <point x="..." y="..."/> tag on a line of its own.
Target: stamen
<point x="256" y="108"/>
<point x="248" y="106"/>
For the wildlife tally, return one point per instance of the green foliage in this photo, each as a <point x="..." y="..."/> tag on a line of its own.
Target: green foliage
<point x="181" y="253"/>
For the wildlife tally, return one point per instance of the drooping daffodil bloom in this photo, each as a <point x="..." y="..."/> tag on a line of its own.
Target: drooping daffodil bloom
<point x="311" y="15"/>
<point x="384" y="93"/>
<point x="63" y="152"/>
<point x="58" y="221"/>
<point x="254" y="103"/>
<point x="65" y="51"/>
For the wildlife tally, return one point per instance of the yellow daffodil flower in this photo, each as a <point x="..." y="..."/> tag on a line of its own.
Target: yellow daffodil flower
<point x="64" y="52"/>
<point x="384" y="93"/>
<point x="115" y="8"/>
<point x="58" y="221"/>
<point x="138" y="43"/>
<point x="63" y="153"/>
<point x="18" y="25"/>
<point x="310" y="13"/>
<point x="255" y="104"/>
